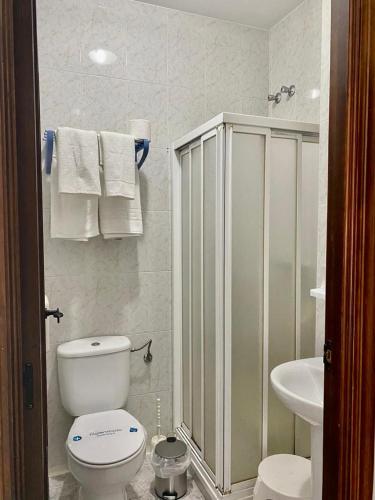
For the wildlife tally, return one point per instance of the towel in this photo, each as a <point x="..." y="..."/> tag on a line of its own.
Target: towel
<point x="73" y="216"/>
<point x="78" y="161"/>
<point x="118" y="164"/>
<point x="120" y="217"/>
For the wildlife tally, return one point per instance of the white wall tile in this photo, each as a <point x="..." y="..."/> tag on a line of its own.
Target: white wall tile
<point x="143" y="407"/>
<point x="299" y="54"/>
<point x="59" y="32"/>
<point x="160" y="305"/>
<point x="155" y="181"/>
<point x="295" y="47"/>
<point x="185" y="110"/>
<point x="255" y="106"/>
<point x="60" y="98"/>
<point x="76" y="298"/>
<point x="154" y="246"/>
<point x="105" y="103"/>
<point x="186" y="49"/>
<point x="103" y="28"/>
<point x="146" y="56"/>
<point x="219" y="100"/>
<point x="323" y="169"/>
<point x="154" y="376"/>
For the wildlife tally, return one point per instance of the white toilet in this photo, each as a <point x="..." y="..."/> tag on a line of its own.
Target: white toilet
<point x="106" y="445"/>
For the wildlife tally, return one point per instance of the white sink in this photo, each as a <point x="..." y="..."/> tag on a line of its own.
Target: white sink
<point x="300" y="386"/>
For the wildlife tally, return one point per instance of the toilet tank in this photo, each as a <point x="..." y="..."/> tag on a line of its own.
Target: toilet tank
<point x="94" y="374"/>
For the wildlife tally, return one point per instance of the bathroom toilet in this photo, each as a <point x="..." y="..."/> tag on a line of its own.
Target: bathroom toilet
<point x="106" y="445"/>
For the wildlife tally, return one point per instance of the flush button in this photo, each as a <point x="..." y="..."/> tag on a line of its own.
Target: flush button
<point x="94" y="344"/>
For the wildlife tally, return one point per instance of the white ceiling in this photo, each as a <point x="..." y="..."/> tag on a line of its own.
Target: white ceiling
<point x="259" y="13"/>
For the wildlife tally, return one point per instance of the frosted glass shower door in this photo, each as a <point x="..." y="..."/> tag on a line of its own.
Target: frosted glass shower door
<point x="200" y="294"/>
<point x="282" y="282"/>
<point x="192" y="339"/>
<point x="244" y="292"/>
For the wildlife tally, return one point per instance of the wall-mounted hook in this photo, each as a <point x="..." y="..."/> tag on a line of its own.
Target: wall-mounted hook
<point x="276" y="98"/>
<point x="148" y="356"/>
<point x="291" y="90"/>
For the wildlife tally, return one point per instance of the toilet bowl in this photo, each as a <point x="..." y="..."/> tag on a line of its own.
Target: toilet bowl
<point x="106" y="445"/>
<point x="105" y="451"/>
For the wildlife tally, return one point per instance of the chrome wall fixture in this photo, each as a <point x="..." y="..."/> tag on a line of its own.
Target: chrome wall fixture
<point x="276" y="98"/>
<point x="291" y="90"/>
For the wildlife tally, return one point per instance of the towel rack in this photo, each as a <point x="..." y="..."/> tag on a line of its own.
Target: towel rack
<point x="140" y="145"/>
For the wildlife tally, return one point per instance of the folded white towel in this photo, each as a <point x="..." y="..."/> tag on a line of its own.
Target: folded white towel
<point x="118" y="164"/>
<point x="73" y="216"/>
<point x="121" y="217"/>
<point x="78" y="161"/>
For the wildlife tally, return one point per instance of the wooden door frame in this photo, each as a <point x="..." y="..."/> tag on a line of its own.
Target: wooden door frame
<point x="23" y="429"/>
<point x="349" y="415"/>
<point x="350" y="317"/>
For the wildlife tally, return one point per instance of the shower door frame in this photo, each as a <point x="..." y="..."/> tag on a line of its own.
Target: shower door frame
<point x="198" y="455"/>
<point x="231" y="128"/>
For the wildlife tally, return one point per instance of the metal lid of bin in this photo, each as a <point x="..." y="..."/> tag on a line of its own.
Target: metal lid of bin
<point x="171" y="448"/>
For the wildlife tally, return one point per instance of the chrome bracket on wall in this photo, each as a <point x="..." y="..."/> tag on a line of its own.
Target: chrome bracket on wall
<point x="276" y="98"/>
<point x="148" y="356"/>
<point x="291" y="90"/>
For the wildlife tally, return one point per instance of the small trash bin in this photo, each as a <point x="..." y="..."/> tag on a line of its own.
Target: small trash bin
<point x="170" y="460"/>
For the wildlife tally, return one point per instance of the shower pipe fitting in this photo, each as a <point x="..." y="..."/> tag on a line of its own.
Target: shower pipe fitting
<point x="291" y="90"/>
<point x="276" y="98"/>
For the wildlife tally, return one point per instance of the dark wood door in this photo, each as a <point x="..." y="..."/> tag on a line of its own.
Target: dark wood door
<point x="349" y="415"/>
<point x="23" y="424"/>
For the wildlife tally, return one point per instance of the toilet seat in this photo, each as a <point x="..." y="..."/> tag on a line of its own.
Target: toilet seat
<point x="105" y="438"/>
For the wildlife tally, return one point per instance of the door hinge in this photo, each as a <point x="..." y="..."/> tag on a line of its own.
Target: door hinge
<point x="328" y="353"/>
<point x="28" y="385"/>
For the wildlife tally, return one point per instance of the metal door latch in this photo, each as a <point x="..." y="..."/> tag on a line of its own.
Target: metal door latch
<point x="56" y="313"/>
<point x="328" y="354"/>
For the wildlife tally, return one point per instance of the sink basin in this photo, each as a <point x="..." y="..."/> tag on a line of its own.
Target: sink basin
<point x="300" y="384"/>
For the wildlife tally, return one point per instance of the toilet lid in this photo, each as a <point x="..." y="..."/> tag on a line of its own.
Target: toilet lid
<point x="106" y="437"/>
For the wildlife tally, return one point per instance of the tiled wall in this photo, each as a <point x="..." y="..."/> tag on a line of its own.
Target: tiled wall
<point x="295" y="51"/>
<point x="300" y="55"/>
<point x="176" y="70"/>
<point x="323" y="170"/>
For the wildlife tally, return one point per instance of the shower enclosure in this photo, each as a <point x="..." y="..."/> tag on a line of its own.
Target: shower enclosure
<point x="245" y="201"/>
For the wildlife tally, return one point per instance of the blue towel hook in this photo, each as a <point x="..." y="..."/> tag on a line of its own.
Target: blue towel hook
<point x="49" y="136"/>
<point x="141" y="145"/>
